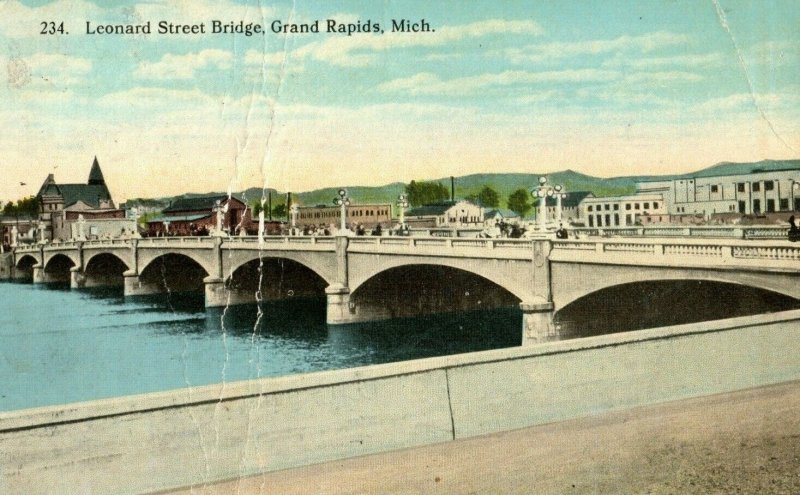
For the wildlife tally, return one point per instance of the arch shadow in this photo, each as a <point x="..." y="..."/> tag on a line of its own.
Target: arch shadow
<point x="658" y="303"/>
<point x="420" y="289"/>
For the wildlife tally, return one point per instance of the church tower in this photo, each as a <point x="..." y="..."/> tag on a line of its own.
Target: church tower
<point x="96" y="175"/>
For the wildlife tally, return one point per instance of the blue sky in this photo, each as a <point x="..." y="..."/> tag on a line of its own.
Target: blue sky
<point x="606" y="88"/>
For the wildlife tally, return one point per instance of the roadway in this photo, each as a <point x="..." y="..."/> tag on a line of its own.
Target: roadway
<point x="741" y="442"/>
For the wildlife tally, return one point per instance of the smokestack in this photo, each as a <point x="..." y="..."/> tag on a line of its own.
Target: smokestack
<point x="269" y="204"/>
<point x="452" y="188"/>
<point x="288" y="204"/>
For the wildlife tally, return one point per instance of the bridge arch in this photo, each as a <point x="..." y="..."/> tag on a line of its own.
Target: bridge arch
<point x="321" y="263"/>
<point x="174" y="272"/>
<point x="572" y="281"/>
<point x="204" y="258"/>
<point x="104" y="269"/>
<point x="275" y="277"/>
<point x="96" y="256"/>
<point x="513" y="276"/>
<point x="657" y="303"/>
<point x="58" y="268"/>
<point x="72" y="255"/>
<point x="26" y="262"/>
<point x="413" y="289"/>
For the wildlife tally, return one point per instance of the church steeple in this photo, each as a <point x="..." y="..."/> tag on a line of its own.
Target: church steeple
<point x="96" y="175"/>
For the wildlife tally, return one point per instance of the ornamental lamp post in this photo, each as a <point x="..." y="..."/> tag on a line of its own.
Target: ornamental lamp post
<point x="220" y="211"/>
<point x="344" y="201"/>
<point x="402" y="204"/>
<point x="560" y="195"/>
<point x="294" y="211"/>
<point x="542" y="192"/>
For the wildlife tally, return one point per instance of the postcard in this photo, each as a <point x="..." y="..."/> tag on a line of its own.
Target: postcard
<point x="242" y="237"/>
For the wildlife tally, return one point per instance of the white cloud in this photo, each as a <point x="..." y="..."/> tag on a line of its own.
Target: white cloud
<point x="45" y="70"/>
<point x="157" y="99"/>
<point x="427" y="83"/>
<point x="775" y="53"/>
<point x="358" y="51"/>
<point x="567" y="49"/>
<point x="186" y="66"/>
<point x="662" y="77"/>
<point x="688" y="61"/>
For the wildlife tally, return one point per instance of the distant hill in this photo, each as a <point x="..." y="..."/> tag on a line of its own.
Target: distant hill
<point x="505" y="184"/>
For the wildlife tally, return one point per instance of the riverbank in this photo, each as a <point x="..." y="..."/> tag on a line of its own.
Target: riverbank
<point x="740" y="442"/>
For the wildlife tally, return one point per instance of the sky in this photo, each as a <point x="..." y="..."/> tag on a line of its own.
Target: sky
<point x="606" y="88"/>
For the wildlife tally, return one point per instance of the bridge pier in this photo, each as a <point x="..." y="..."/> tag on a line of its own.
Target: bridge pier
<point x="537" y="323"/>
<point x="339" y="310"/>
<point x="135" y="287"/>
<point x="40" y="276"/>
<point x="215" y="293"/>
<point x="77" y="279"/>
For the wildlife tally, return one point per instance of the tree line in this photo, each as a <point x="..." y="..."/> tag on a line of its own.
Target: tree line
<point x="425" y="193"/>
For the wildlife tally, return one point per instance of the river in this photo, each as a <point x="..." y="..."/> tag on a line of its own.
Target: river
<point x="59" y="345"/>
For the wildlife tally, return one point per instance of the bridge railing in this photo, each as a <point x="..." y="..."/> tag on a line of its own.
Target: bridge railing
<point x="691" y="248"/>
<point x="715" y="231"/>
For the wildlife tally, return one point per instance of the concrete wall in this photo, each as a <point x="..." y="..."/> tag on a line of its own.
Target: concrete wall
<point x="178" y="438"/>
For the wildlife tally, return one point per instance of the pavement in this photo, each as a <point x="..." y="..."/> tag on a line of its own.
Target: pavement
<point x="744" y="442"/>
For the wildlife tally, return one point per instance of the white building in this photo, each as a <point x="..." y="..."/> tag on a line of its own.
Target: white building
<point x="447" y="214"/>
<point x="732" y="189"/>
<point x="620" y="211"/>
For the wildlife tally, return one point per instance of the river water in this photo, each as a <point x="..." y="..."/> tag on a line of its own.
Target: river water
<point x="59" y="345"/>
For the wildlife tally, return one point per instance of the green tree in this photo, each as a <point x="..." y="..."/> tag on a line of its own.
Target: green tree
<point x="26" y="207"/>
<point x="425" y="193"/>
<point x="518" y="202"/>
<point x="489" y="197"/>
<point x="279" y="211"/>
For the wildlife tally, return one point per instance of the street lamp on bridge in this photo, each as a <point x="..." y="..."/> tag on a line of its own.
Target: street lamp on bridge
<point x="402" y="204"/>
<point x="542" y="192"/>
<point x="344" y="201"/>
<point x="294" y="210"/>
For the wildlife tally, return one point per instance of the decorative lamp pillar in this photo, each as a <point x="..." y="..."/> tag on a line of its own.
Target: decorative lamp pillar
<point x="135" y="212"/>
<point x="343" y="201"/>
<point x="220" y="211"/>
<point x="402" y="204"/>
<point x="542" y="192"/>
<point x="81" y="228"/>
<point x="294" y="210"/>
<point x="41" y="226"/>
<point x="560" y="195"/>
<point x="261" y="226"/>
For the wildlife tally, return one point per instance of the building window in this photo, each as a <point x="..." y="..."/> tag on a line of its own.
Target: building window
<point x="591" y="220"/>
<point x="590" y="208"/>
<point x="784" y="204"/>
<point x="635" y="206"/>
<point x="769" y="185"/>
<point x="627" y="206"/>
<point x="655" y="206"/>
<point x="607" y="206"/>
<point x="756" y="206"/>
<point x="740" y="187"/>
<point x="616" y="218"/>
<point x="628" y="220"/>
<point x="647" y="206"/>
<point x="616" y="206"/>
<point x="770" y="205"/>
<point x="756" y="186"/>
<point x="714" y="189"/>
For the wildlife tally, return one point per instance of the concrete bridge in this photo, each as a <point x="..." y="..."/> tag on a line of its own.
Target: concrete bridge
<point x="370" y="278"/>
